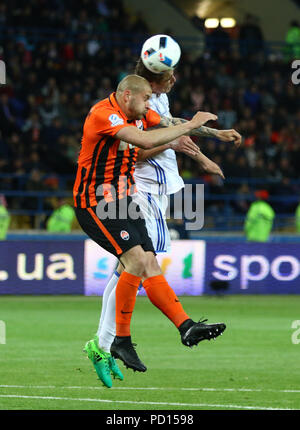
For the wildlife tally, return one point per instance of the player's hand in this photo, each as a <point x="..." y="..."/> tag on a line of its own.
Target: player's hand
<point x="213" y="169"/>
<point x="230" y="136"/>
<point x="201" y="118"/>
<point x="186" y="145"/>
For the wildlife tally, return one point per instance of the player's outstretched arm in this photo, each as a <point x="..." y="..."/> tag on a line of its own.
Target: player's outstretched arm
<point x="151" y="139"/>
<point x="185" y="145"/>
<point x="207" y="165"/>
<point x="203" y="131"/>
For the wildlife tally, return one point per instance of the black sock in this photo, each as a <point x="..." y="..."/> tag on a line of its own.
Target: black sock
<point x="119" y="339"/>
<point x="185" y="326"/>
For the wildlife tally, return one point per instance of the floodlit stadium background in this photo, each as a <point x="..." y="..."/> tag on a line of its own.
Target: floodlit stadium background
<point x="63" y="56"/>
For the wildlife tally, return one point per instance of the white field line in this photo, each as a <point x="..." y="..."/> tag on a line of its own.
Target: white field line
<point x="248" y="390"/>
<point x="129" y="402"/>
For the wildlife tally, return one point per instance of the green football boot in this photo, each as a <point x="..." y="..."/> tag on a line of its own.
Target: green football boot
<point x="114" y="368"/>
<point x="100" y="360"/>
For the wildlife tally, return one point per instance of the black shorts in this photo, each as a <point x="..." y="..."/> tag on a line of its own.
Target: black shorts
<point x="115" y="235"/>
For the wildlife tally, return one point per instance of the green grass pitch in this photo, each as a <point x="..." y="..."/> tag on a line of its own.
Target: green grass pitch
<point x="254" y="365"/>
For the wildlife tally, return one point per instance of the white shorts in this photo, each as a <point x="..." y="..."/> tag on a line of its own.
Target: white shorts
<point x="154" y="208"/>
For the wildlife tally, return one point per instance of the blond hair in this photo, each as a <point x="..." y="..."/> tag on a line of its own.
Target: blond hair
<point x="158" y="78"/>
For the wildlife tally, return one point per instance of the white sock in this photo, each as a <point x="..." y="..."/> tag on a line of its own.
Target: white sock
<point x="107" y="330"/>
<point x="107" y="324"/>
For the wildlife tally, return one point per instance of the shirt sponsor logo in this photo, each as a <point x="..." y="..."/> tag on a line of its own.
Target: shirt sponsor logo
<point x="115" y="120"/>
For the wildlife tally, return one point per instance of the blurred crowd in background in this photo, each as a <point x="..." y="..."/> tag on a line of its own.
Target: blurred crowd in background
<point x="64" y="56"/>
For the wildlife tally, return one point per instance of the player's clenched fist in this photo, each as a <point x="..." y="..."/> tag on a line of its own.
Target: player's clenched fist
<point x="230" y="136"/>
<point x="201" y="118"/>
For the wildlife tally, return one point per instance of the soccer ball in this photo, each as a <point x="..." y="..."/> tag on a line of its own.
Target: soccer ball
<point x="160" y="53"/>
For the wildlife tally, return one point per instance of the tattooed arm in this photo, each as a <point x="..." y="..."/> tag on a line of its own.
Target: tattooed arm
<point x="201" y="131"/>
<point x="224" y="135"/>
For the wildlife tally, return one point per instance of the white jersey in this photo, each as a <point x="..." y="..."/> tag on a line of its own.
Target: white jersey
<point x="159" y="175"/>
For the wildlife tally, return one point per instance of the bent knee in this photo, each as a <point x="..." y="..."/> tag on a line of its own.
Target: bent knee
<point x="152" y="267"/>
<point x="135" y="261"/>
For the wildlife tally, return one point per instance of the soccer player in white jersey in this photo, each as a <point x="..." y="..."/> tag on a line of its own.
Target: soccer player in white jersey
<point x="156" y="176"/>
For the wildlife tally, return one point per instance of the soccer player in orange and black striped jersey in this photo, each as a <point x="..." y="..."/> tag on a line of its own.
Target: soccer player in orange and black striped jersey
<point x="110" y="138"/>
<point x="103" y="157"/>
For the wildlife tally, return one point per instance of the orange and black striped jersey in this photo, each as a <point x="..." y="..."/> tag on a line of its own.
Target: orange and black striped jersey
<point x="106" y="164"/>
